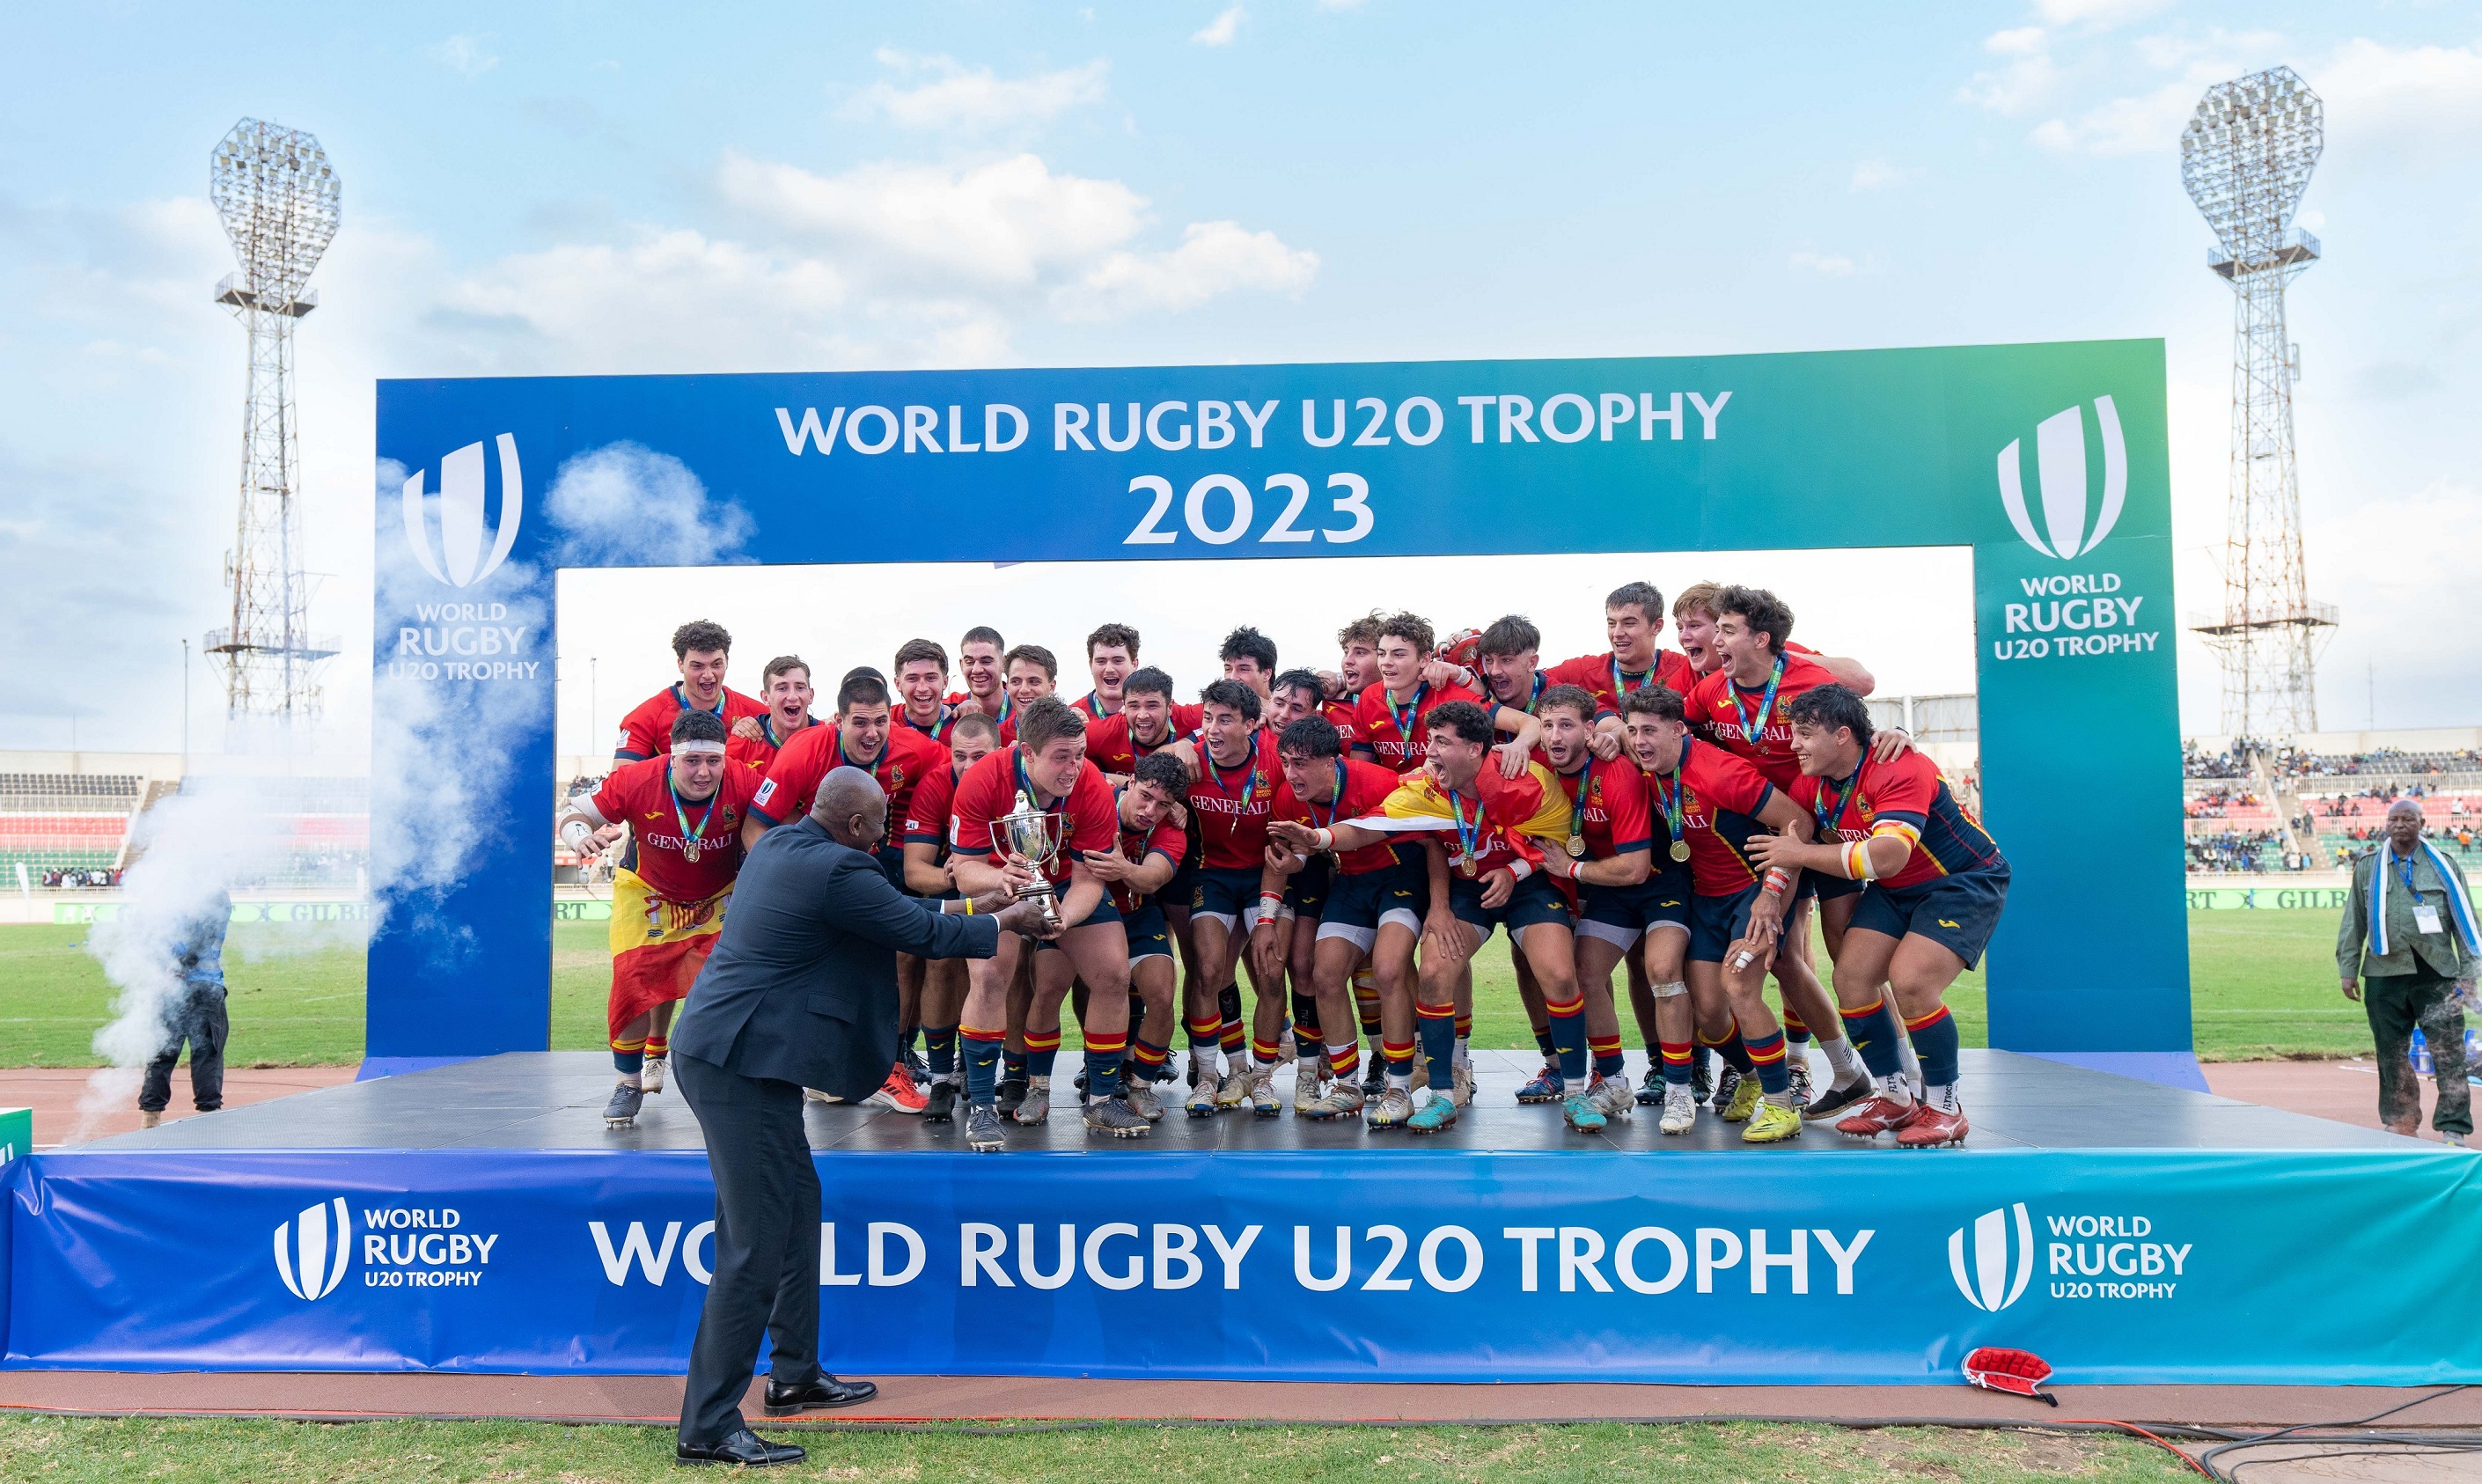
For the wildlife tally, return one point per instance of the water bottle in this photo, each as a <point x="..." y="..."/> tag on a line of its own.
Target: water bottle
<point x="2422" y="1066"/>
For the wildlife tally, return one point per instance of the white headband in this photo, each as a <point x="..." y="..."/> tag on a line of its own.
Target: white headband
<point x="696" y="745"/>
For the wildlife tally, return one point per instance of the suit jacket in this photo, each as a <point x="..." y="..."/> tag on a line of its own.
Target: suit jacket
<point x="801" y="984"/>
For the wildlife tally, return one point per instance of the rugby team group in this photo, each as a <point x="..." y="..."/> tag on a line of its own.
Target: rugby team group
<point x="1347" y="840"/>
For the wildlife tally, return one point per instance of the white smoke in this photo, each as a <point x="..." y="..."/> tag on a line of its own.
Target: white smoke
<point x="220" y="833"/>
<point x="624" y="505"/>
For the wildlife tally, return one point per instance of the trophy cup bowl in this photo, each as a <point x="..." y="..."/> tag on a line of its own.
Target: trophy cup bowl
<point x="1037" y="835"/>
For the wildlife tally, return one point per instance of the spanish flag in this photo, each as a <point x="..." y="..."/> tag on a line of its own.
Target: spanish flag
<point x="658" y="946"/>
<point x="1530" y="805"/>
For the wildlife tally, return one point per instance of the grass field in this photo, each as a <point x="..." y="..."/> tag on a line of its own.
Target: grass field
<point x="2263" y="985"/>
<point x="59" y="1450"/>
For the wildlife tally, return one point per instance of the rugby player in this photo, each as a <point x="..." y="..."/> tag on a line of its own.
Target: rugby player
<point x="1662" y="908"/>
<point x="979" y="665"/>
<point x="1606" y="867"/>
<point x="898" y="758"/>
<point x="1391" y="717"/>
<point x="1357" y="670"/>
<point x="1933" y="882"/>
<point x="1737" y="914"/>
<point x="929" y="873"/>
<point x="786" y="690"/>
<point x="1743" y="706"/>
<point x="1111" y="653"/>
<point x="1234" y="777"/>
<point x="1499" y="827"/>
<point x="922" y="686"/>
<point x="1030" y="672"/>
<point x="1293" y="695"/>
<point x="702" y="651"/>
<point x="1371" y="912"/>
<point x="1136" y="872"/>
<point x="1693" y="617"/>
<point x="1048" y="766"/>
<point x="1144" y="721"/>
<point x="1249" y="656"/>
<point x="668" y="895"/>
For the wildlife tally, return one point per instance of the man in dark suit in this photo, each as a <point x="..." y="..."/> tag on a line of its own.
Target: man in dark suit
<point x="800" y="991"/>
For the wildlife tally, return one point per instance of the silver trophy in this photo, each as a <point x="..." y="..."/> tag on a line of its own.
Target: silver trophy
<point x="1036" y="834"/>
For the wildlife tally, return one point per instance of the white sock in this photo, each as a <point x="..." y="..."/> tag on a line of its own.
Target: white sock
<point x="1842" y="1060"/>
<point x="632" y="1079"/>
<point x="1941" y="1096"/>
<point x="1465" y="1051"/>
<point x="1401" y="1082"/>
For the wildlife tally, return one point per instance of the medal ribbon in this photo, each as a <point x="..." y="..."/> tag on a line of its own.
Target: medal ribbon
<point x="1673" y="798"/>
<point x="691" y="839"/>
<point x="1577" y="805"/>
<point x="1619" y="689"/>
<point x="1332" y="804"/>
<point x="1249" y="788"/>
<point x="945" y="719"/>
<point x="1827" y="819"/>
<point x="683" y="696"/>
<point x="1411" y="713"/>
<point x="1469" y="835"/>
<point x="1766" y="703"/>
<point x="1539" y="689"/>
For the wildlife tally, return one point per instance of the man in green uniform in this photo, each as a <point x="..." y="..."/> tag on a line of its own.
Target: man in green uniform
<point x="2406" y="950"/>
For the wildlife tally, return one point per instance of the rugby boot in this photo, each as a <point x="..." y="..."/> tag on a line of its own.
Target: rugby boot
<point x="898" y="1093"/>
<point x="1140" y="1096"/>
<point x="1374" y="1075"/>
<point x="1876" y="1115"/>
<point x="1612" y="1096"/>
<point x="1746" y="1096"/>
<point x="1339" y="1099"/>
<point x="1033" y="1106"/>
<point x="1394" y="1109"/>
<point x="1308" y="1087"/>
<point x="1941" y="1119"/>
<point x="1237" y="1087"/>
<point x="1114" y="1118"/>
<point x="1462" y="1083"/>
<point x="1837" y="1099"/>
<point x="1264" y="1098"/>
<point x="1202" y="1094"/>
<point x="983" y="1129"/>
<point x="1651" y="1090"/>
<point x="1727" y="1086"/>
<point x="939" y="1104"/>
<point x="1798" y="1068"/>
<point x="1579" y="1112"/>
<point x="1544" y="1088"/>
<point x="650" y="1077"/>
<point x="623" y="1111"/>
<point x="917" y="1068"/>
<point x="1441" y="1112"/>
<point x="1701" y="1073"/>
<point x="1012" y="1093"/>
<point x="1771" y="1123"/>
<point x="1679" y="1109"/>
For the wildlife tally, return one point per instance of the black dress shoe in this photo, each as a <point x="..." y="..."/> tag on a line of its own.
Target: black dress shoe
<point x="745" y="1447"/>
<point x="825" y="1391"/>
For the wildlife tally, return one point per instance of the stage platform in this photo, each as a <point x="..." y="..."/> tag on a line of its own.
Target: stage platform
<point x="479" y="1218"/>
<point x="554" y="1100"/>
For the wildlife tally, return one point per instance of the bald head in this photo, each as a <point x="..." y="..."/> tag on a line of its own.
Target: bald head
<point x="2404" y="825"/>
<point x="852" y="808"/>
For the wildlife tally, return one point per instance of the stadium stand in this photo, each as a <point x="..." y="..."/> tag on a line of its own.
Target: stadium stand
<point x="60" y="826"/>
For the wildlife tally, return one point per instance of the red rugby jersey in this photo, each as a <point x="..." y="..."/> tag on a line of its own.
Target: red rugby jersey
<point x="793" y="779"/>
<point x="1362" y="789"/>
<point x="1719" y="797"/>
<point x="1110" y="746"/>
<point x="1730" y="714"/>
<point x="1229" y="808"/>
<point x="990" y="790"/>
<point x="646" y="731"/>
<point x="1166" y="839"/>
<point x="1602" y="674"/>
<point x="641" y="796"/>
<point x="758" y="754"/>
<point x="1906" y="797"/>
<point x="1397" y="735"/>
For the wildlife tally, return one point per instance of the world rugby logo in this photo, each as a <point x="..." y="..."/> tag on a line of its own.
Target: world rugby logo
<point x="312" y="1249"/>
<point x="1978" y="1258"/>
<point x="2060" y="468"/>
<point x="458" y="559"/>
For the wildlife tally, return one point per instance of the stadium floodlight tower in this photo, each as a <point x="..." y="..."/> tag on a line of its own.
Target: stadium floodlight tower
<point x="2245" y="158"/>
<point x="277" y="197"/>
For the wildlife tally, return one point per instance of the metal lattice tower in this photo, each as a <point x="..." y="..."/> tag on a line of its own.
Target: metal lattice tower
<point x="278" y="199"/>
<point x="2245" y="158"/>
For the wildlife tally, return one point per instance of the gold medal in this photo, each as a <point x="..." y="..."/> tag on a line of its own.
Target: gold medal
<point x="1576" y="847"/>
<point x="1679" y="850"/>
<point x="690" y="852"/>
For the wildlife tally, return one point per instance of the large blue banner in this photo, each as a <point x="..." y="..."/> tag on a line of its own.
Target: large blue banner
<point x="2118" y="1266"/>
<point x="2049" y="461"/>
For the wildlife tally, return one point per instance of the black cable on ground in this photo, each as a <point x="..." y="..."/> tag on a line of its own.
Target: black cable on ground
<point x="2207" y="1459"/>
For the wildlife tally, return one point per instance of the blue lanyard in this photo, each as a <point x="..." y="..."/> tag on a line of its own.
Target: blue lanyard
<point x="683" y="696"/>
<point x="1766" y="703"/>
<point x="1249" y="788"/>
<point x="1676" y="799"/>
<point x="1411" y="713"/>
<point x="871" y="766"/>
<point x="694" y="838"/>
<point x="1577" y="805"/>
<point x="2404" y="868"/>
<point x="1332" y="804"/>
<point x="1469" y="835"/>
<point x="1618" y="674"/>
<point x="1827" y="819"/>
<point x="1025" y="785"/>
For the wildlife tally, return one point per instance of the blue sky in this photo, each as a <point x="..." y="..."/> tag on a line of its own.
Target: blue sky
<point x="593" y="188"/>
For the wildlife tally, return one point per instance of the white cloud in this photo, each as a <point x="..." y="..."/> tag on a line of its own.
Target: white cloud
<point x="2140" y="124"/>
<point x="2023" y="84"/>
<point x="470" y="55"/>
<point x="2098" y="13"/>
<point x="2424" y="101"/>
<point x="1214" y="257"/>
<point x="2022" y="41"/>
<point x="1827" y="265"/>
<point x="950" y="95"/>
<point x="1875" y="173"/>
<point x="1221" y="31"/>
